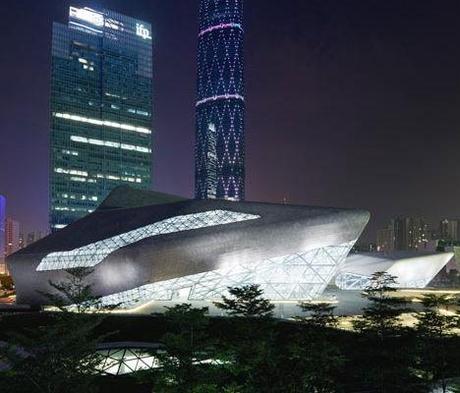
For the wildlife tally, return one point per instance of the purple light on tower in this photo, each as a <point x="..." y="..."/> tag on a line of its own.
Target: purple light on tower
<point x="220" y="104"/>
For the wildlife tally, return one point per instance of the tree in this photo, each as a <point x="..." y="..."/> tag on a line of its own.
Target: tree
<point x="187" y="361"/>
<point x="74" y="296"/>
<point x="381" y="317"/>
<point x="383" y="338"/>
<point x="6" y="282"/>
<point x="59" y="355"/>
<point x="321" y="315"/>
<point x="314" y="357"/>
<point x="246" y="301"/>
<point x="435" y="325"/>
<point x="250" y="349"/>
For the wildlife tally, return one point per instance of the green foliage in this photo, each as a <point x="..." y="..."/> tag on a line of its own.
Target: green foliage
<point x="246" y="301"/>
<point x="380" y="329"/>
<point x="434" y="327"/>
<point x="321" y="315"/>
<point x="381" y="316"/>
<point x="250" y="351"/>
<point x="454" y="386"/>
<point x="314" y="357"/>
<point x="6" y="282"/>
<point x="60" y="356"/>
<point x="74" y="295"/>
<point x="188" y="355"/>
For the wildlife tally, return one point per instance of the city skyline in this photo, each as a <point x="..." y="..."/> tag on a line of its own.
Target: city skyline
<point x="369" y="122"/>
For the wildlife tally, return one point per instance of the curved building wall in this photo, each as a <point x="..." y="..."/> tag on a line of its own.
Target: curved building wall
<point x="153" y="252"/>
<point x="411" y="269"/>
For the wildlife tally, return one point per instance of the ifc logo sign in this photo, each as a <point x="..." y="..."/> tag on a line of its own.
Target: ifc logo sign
<point x="143" y="32"/>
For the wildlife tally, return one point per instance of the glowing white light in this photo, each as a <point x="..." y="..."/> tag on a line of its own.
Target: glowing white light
<point x="415" y="271"/>
<point x="106" y="123"/>
<point x="220" y="97"/>
<point x="79" y="179"/>
<point x="71" y="171"/>
<point x="70" y="152"/>
<point x="300" y="276"/>
<point x="120" y="361"/>
<point x="220" y="27"/>
<point x="115" y="145"/>
<point x="113" y="24"/>
<point x="143" y="32"/>
<point x="94" y="253"/>
<point x="87" y="15"/>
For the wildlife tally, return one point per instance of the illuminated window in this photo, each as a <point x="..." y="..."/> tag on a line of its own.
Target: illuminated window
<point x="98" y="122"/>
<point x="94" y="253"/>
<point x="115" y="145"/>
<point x="300" y="276"/>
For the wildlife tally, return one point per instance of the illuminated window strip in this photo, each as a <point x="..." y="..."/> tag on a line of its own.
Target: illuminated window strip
<point x="78" y="179"/>
<point x="220" y="97"/>
<point x="94" y="253"/>
<point x="71" y="172"/>
<point x="122" y="178"/>
<point x="85" y="27"/>
<point x="106" y="123"/>
<point x="115" y="145"/>
<point x="219" y="27"/>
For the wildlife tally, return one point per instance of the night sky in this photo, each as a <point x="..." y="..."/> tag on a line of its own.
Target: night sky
<point x="350" y="103"/>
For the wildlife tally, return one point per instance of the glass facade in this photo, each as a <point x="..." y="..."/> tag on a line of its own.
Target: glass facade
<point x="101" y="110"/>
<point x="121" y="361"/>
<point x="299" y="276"/>
<point x="94" y="253"/>
<point x="220" y="106"/>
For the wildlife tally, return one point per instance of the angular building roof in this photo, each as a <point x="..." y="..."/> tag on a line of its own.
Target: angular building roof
<point x="139" y="238"/>
<point x="125" y="197"/>
<point x="411" y="269"/>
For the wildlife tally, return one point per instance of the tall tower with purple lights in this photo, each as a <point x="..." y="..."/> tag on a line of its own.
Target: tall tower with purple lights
<point x="220" y="106"/>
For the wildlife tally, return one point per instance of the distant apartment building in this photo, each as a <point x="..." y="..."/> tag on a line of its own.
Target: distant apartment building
<point x="448" y="230"/>
<point x="32" y="237"/>
<point x="404" y="233"/>
<point x="385" y="240"/>
<point x="410" y="233"/>
<point x="11" y="236"/>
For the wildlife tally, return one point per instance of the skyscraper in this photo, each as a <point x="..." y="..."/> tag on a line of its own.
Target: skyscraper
<point x="101" y="110"/>
<point x="220" y="106"/>
<point x="448" y="230"/>
<point x="410" y="233"/>
<point x="11" y="236"/>
<point x="385" y="239"/>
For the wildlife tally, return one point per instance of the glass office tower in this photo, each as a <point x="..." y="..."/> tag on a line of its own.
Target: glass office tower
<point x="220" y="106"/>
<point x="101" y="110"/>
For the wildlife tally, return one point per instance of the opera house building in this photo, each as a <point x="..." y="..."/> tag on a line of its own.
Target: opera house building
<point x="145" y="246"/>
<point x="411" y="269"/>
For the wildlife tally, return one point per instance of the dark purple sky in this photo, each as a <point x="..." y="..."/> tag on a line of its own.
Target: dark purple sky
<point x="352" y="103"/>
